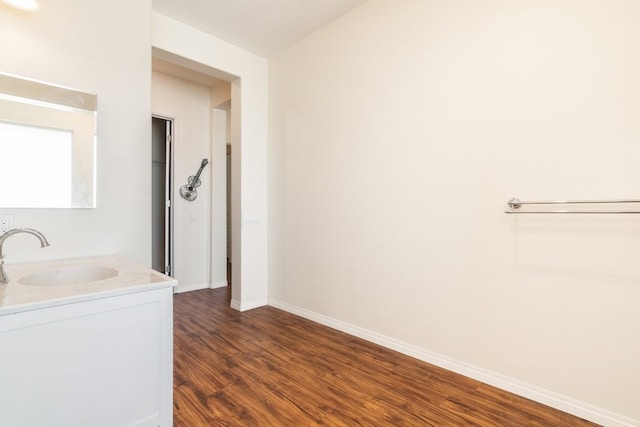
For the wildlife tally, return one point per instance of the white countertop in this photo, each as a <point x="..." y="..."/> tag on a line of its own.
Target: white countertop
<point x="131" y="278"/>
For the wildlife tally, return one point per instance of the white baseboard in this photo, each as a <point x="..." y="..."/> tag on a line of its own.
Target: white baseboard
<point x="199" y="286"/>
<point x="247" y="305"/>
<point x="537" y="394"/>
<point x="188" y="288"/>
<point x="219" y="285"/>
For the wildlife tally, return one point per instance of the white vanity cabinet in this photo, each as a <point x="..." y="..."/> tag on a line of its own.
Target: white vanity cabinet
<point x="105" y="360"/>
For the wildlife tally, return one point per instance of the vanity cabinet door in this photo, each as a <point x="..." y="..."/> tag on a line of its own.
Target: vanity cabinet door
<point x="103" y="362"/>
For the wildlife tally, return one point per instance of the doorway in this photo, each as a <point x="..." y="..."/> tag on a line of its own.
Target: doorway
<point x="248" y="134"/>
<point x="161" y="195"/>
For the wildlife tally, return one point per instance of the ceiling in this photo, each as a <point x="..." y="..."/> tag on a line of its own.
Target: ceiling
<point x="260" y="26"/>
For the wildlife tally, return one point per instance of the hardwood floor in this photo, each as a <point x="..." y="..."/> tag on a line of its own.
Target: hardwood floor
<point x="266" y="367"/>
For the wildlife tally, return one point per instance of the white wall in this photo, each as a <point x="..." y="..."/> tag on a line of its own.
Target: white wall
<point x="396" y="136"/>
<point x="219" y="199"/>
<point x="102" y="48"/>
<point x="189" y="104"/>
<point x="221" y="103"/>
<point x="186" y="46"/>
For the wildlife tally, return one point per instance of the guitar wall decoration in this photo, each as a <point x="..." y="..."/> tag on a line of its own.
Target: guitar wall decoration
<point x="188" y="192"/>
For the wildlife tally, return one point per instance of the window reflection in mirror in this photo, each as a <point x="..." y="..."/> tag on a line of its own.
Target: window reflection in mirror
<point x="47" y="145"/>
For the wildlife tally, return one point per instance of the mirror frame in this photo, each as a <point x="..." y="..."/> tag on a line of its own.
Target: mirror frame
<point x="34" y="103"/>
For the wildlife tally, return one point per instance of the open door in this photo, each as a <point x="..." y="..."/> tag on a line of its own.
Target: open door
<point x="161" y="194"/>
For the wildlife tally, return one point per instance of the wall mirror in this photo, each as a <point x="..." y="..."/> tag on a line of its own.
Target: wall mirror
<point x="47" y="145"/>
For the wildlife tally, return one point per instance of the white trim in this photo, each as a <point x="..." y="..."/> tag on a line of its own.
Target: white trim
<point x="247" y="306"/>
<point x="188" y="288"/>
<point x="217" y="285"/>
<point x="537" y="394"/>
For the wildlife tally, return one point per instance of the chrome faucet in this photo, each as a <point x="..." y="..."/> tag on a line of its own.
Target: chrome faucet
<point x="43" y="242"/>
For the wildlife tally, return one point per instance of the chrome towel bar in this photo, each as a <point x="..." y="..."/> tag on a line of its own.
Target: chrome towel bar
<point x="514" y="204"/>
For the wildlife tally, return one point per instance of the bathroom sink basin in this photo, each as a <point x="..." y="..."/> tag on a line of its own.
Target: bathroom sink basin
<point x="68" y="275"/>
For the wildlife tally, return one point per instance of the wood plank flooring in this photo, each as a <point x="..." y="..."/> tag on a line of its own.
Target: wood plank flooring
<point x="266" y="367"/>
